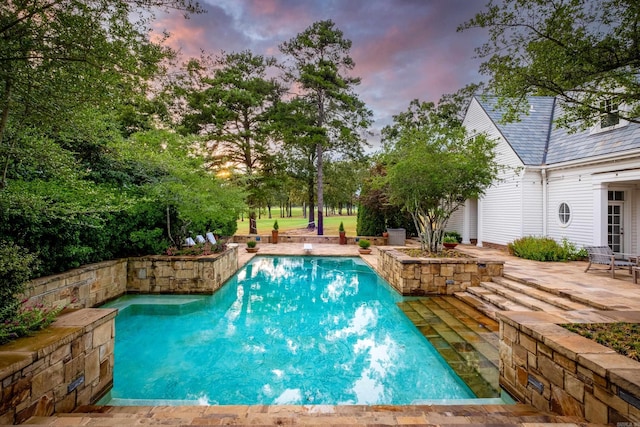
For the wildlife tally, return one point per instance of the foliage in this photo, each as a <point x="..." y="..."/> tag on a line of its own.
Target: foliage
<point x="449" y="239"/>
<point x="64" y="54"/>
<point x="370" y="221"/>
<point x="434" y="167"/>
<point x="17" y="265"/>
<point x="620" y="337"/>
<point x="251" y="243"/>
<point x="341" y="227"/>
<point x="544" y="249"/>
<point x="582" y="51"/>
<point x="321" y="69"/>
<point x="230" y="102"/>
<point x="364" y="243"/>
<point x="452" y="234"/>
<point x="28" y="319"/>
<point x="376" y="213"/>
<point x="275" y="225"/>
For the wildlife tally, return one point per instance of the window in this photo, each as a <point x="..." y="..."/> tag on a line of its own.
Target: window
<point x="609" y="116"/>
<point x="564" y="213"/>
<point x="616" y="196"/>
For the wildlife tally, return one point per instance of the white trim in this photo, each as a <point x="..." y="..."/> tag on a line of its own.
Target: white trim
<point x="560" y="223"/>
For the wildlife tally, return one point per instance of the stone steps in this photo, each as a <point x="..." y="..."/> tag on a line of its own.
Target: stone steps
<point x="550" y="295"/>
<point x="466" y="339"/>
<point x="323" y="415"/>
<point x="511" y="294"/>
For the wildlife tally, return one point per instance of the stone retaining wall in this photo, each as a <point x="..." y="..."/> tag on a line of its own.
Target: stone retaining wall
<point x="58" y="369"/>
<point x="553" y="369"/>
<point x="310" y="238"/>
<point x="434" y="276"/>
<point x="87" y="286"/>
<point x="176" y="274"/>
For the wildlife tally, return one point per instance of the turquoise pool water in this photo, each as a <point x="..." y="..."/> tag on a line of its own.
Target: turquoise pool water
<point x="283" y="330"/>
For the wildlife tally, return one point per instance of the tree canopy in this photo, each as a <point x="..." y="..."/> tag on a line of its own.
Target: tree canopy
<point x="582" y="51"/>
<point x="320" y="68"/>
<point x="433" y="167"/>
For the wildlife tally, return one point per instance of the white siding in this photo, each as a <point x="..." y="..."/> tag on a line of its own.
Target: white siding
<point x="575" y="186"/>
<point x="456" y="222"/>
<point x="575" y="189"/>
<point x="502" y="205"/>
<point x="532" y="207"/>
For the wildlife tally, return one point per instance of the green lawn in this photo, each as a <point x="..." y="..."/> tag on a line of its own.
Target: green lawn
<point x="331" y="223"/>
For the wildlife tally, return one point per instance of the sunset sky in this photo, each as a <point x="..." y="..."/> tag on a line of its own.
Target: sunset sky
<point x="403" y="49"/>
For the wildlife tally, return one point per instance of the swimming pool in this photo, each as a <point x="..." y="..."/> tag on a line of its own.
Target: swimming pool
<point x="283" y="330"/>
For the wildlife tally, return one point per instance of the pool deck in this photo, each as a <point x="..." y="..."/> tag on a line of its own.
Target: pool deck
<point x="618" y="294"/>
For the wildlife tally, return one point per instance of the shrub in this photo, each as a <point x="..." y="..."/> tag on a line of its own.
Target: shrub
<point x="275" y="225"/>
<point x="251" y="243"/>
<point x="364" y="243"/>
<point x="456" y="236"/>
<point x="543" y="249"/>
<point x="17" y="265"/>
<point x="449" y="239"/>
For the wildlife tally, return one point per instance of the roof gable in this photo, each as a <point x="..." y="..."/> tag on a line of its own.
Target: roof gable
<point x="527" y="137"/>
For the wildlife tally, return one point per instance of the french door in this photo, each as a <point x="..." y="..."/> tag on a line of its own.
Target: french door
<point x="615" y="221"/>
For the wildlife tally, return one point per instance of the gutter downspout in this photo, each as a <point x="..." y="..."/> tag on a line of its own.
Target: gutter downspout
<point x="544" y="202"/>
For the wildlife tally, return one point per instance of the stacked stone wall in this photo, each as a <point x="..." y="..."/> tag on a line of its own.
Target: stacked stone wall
<point x="58" y="369"/>
<point x="310" y="238"/>
<point x="86" y="287"/>
<point x="434" y="276"/>
<point x="555" y="370"/>
<point x="163" y="274"/>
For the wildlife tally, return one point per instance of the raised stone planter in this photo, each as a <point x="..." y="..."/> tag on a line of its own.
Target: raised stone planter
<point x="434" y="276"/>
<point x="58" y="369"/>
<point x="181" y="274"/>
<point x="556" y="370"/>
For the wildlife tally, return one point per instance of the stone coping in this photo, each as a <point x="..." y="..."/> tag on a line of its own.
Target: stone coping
<point x="18" y="354"/>
<point x="621" y="371"/>
<point x="408" y="259"/>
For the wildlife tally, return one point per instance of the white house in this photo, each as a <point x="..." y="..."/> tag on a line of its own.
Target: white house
<point x="582" y="186"/>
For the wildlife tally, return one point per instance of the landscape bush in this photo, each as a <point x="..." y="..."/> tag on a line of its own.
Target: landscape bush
<point x="544" y="249"/>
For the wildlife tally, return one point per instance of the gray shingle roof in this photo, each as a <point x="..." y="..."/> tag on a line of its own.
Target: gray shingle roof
<point x="564" y="146"/>
<point x="535" y="145"/>
<point x="528" y="137"/>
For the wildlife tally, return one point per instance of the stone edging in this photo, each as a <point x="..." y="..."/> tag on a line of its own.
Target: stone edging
<point x="554" y="369"/>
<point x="434" y="276"/>
<point x="59" y="368"/>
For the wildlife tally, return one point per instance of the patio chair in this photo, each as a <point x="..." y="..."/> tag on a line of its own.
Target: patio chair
<point x="605" y="256"/>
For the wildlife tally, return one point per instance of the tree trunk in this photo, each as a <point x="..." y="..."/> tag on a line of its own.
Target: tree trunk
<point x="3" y="125"/>
<point x="310" y="205"/>
<point x="253" y="226"/>
<point x="320" y="190"/>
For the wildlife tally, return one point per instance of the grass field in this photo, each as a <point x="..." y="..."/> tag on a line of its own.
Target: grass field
<point x="331" y="223"/>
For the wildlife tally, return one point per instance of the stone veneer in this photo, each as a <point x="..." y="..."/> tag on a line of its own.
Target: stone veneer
<point x="553" y="369"/>
<point x="176" y="274"/>
<point x="87" y="286"/>
<point x="434" y="276"/>
<point x="59" y="368"/>
<point x="310" y="238"/>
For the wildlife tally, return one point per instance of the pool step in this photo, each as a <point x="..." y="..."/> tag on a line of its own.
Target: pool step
<point x="507" y="294"/>
<point x="496" y="414"/>
<point x="465" y="338"/>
